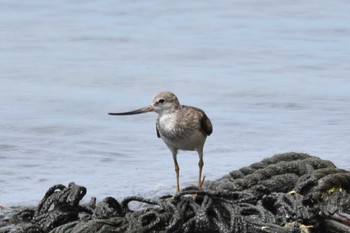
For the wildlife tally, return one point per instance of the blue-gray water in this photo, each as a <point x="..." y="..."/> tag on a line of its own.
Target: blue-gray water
<point x="273" y="76"/>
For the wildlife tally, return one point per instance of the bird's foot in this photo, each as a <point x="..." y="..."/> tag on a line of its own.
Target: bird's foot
<point x="303" y="228"/>
<point x="201" y="182"/>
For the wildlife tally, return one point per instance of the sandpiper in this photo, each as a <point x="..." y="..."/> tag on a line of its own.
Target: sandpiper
<point x="180" y="127"/>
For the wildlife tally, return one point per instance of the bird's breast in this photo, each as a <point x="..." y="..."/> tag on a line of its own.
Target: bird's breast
<point x="168" y="126"/>
<point x="178" y="135"/>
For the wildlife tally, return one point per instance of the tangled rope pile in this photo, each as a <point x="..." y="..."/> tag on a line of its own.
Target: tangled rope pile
<point x="287" y="193"/>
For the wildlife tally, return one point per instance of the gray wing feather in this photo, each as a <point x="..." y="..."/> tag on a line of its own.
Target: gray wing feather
<point x="158" y="134"/>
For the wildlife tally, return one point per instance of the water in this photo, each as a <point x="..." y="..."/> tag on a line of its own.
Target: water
<point x="272" y="76"/>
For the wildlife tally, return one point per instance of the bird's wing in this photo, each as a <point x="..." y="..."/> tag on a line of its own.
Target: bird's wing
<point x="158" y="134"/>
<point x="206" y="125"/>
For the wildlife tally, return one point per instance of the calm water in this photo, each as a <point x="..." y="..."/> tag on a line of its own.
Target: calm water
<point x="273" y="76"/>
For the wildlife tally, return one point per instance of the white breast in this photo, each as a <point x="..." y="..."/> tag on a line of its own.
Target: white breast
<point x="177" y="136"/>
<point x="167" y="123"/>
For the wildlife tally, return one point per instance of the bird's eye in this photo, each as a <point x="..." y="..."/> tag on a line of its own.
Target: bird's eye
<point x="161" y="101"/>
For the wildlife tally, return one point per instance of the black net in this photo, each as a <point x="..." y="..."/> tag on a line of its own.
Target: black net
<point x="287" y="193"/>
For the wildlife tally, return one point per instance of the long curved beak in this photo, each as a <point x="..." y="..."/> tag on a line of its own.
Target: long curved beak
<point x="138" y="111"/>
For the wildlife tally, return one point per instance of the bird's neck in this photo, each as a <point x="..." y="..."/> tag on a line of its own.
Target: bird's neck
<point x="170" y="110"/>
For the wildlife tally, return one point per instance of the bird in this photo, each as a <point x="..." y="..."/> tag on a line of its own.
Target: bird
<point x="180" y="127"/>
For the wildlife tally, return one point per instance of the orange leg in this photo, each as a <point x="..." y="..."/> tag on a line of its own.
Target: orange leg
<point x="200" y="180"/>
<point x="177" y="170"/>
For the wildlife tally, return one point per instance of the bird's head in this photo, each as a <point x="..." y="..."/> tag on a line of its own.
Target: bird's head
<point x="163" y="102"/>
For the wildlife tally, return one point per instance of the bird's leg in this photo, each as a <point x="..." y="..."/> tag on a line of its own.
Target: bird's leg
<point x="200" y="180"/>
<point x="177" y="170"/>
<point x="200" y="165"/>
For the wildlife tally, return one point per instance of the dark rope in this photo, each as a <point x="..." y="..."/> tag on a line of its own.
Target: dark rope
<point x="287" y="193"/>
